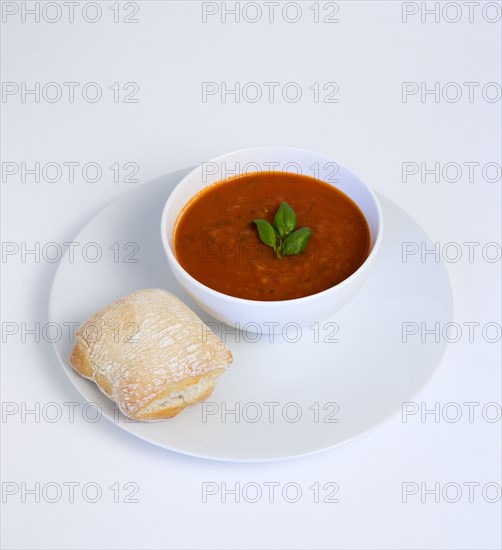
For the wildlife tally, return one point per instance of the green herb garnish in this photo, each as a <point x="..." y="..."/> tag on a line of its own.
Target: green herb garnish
<point x="281" y="235"/>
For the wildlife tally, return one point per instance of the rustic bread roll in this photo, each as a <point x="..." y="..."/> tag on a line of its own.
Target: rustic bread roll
<point x="150" y="354"/>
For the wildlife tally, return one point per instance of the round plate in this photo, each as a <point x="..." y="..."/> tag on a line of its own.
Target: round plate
<point x="284" y="395"/>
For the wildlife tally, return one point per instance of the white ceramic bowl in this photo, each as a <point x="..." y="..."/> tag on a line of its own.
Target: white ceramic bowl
<point x="271" y="316"/>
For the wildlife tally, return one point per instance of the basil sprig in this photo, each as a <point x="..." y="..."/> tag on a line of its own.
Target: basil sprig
<point x="281" y="235"/>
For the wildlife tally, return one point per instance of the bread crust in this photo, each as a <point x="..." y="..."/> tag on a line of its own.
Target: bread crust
<point x="150" y="354"/>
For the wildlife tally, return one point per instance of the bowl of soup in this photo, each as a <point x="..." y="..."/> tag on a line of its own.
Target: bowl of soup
<point x="267" y="236"/>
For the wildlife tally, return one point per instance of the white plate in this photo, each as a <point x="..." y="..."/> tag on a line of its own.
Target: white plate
<point x="312" y="394"/>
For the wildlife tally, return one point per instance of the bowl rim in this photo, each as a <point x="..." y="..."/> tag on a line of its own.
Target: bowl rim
<point x="267" y="303"/>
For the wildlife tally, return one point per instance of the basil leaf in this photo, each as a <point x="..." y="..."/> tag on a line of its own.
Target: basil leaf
<point x="296" y="242"/>
<point x="266" y="232"/>
<point x="285" y="220"/>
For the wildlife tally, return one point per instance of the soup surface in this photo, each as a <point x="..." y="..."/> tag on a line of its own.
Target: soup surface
<point x="216" y="242"/>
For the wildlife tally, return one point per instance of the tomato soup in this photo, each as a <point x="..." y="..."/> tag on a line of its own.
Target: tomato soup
<point x="217" y="243"/>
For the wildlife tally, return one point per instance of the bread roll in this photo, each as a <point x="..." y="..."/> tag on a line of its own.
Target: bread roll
<point x="150" y="354"/>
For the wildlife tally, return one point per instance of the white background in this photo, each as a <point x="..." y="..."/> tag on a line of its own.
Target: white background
<point x="169" y="53"/>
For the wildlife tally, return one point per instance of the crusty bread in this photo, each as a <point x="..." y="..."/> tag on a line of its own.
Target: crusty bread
<point x="150" y="354"/>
